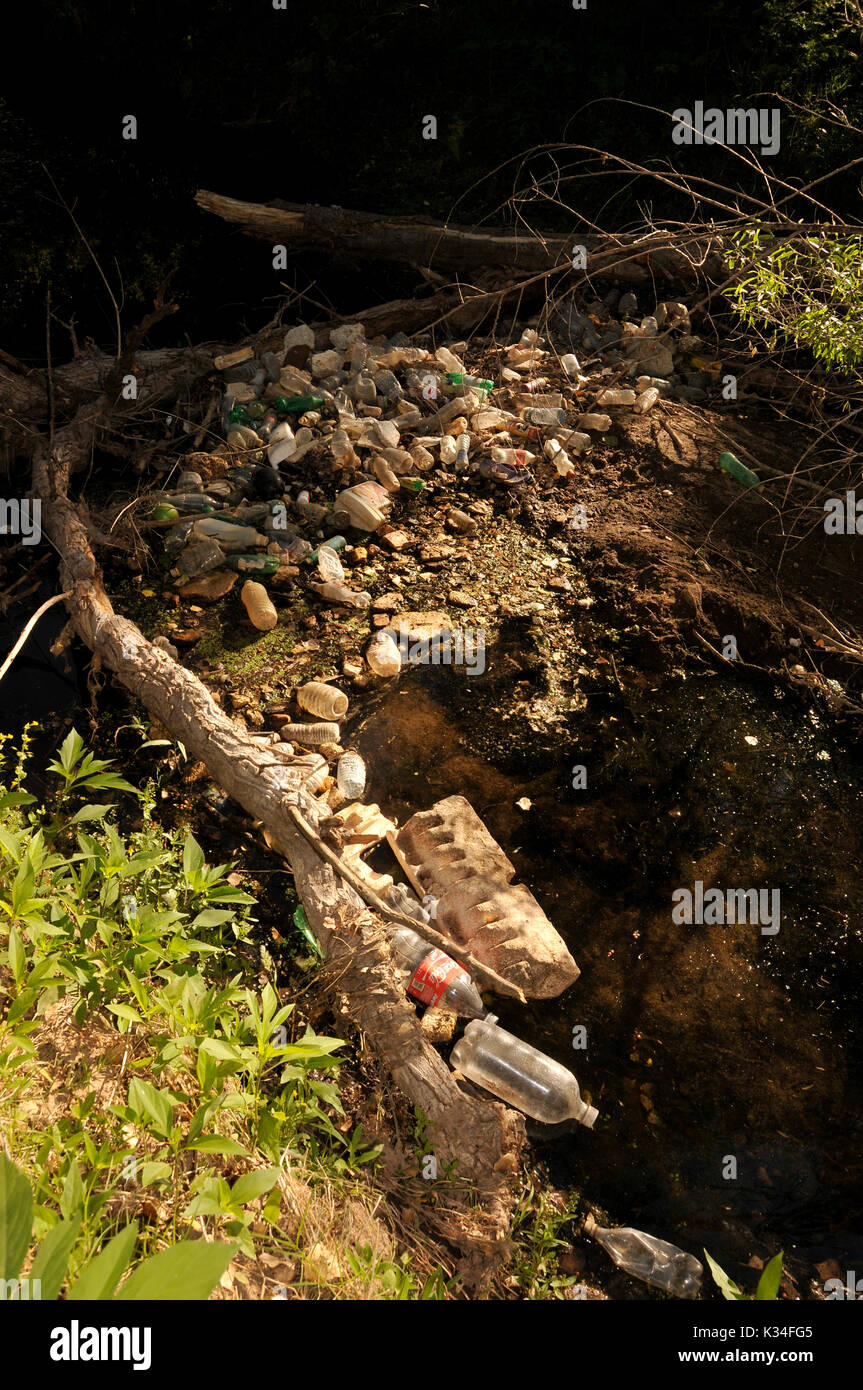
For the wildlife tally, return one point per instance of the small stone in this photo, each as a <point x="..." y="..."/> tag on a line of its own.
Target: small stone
<point x="380" y="620"/>
<point x="395" y="539"/>
<point x="461" y="599"/>
<point x="460" y="521"/>
<point x="388" y="603"/>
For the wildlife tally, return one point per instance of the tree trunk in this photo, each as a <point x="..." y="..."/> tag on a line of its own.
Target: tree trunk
<point x="484" y="1138"/>
<point x="464" y="251"/>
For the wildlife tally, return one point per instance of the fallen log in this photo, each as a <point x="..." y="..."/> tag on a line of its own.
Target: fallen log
<point x="483" y="1138"/>
<point x="465" y="251"/>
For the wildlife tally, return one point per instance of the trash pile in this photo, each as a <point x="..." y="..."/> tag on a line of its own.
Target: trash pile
<point x="320" y="446"/>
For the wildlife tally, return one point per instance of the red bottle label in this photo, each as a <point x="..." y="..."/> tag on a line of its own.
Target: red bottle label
<point x="432" y="977"/>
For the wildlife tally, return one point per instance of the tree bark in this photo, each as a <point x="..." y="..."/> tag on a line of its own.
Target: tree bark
<point x="483" y="1138"/>
<point x="464" y="251"/>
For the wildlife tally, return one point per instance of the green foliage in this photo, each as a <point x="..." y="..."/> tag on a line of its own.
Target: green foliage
<point x="187" y="1270"/>
<point x="142" y="937"/>
<point x="536" y="1226"/>
<point x="768" y="1284"/>
<point x="808" y="290"/>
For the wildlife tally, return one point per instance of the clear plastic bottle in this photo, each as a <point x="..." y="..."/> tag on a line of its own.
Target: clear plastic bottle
<point x="657" y="1262"/>
<point x="540" y="416"/>
<point x="383" y="655"/>
<point x="595" y="421"/>
<point x="337" y="593"/>
<point x="385" y="475"/>
<point x="258" y="605"/>
<point x="614" y="396"/>
<point x="434" y="978"/>
<point x="351" y="776"/>
<point x="462" y="456"/>
<point x="518" y="1074"/>
<point x="228" y="533"/>
<point x="310" y="735"/>
<point x="323" y="700"/>
<point x="198" y="558"/>
<point x="647" y="399"/>
<point x="282" y="444"/>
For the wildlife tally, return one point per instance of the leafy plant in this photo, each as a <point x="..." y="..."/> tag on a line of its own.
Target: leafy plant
<point x="188" y="1270"/>
<point x="768" y="1284"/>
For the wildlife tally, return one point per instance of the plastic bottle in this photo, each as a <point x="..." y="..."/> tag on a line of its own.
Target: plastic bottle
<point x="570" y="364"/>
<point x="313" y="512"/>
<point x="337" y="593"/>
<point x="613" y="396"/>
<point x="657" y="1262"/>
<point x="254" y="564"/>
<point x="462" y="455"/>
<point x="342" y="449"/>
<point x="257" y="604"/>
<point x="383" y="655"/>
<point x="738" y="470"/>
<point x="448" y="449"/>
<point x="646" y="400"/>
<point x="544" y="417"/>
<point x="228" y="533"/>
<point x="351" y="776"/>
<point x="434" y="978"/>
<point x="518" y="1074"/>
<point x="403" y="900"/>
<point x="563" y="463"/>
<point x="323" y="700"/>
<point x="602" y="423"/>
<point x="330" y="567"/>
<point x="241" y="437"/>
<point x="516" y="458"/>
<point x="385" y="475"/>
<point x="198" y="558"/>
<point x="310" y="735"/>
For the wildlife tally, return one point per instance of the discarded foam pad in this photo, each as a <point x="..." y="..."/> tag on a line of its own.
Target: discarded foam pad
<point x="447" y="851"/>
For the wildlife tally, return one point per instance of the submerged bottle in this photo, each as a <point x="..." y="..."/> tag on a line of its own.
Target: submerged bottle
<point x="432" y="977"/>
<point x="646" y="1257"/>
<point x="521" y="1076"/>
<point x="351" y="776"/>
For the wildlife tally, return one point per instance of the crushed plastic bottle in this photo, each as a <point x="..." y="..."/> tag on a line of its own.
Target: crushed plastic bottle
<point x="310" y="735"/>
<point x="544" y="417"/>
<point x="383" y="655"/>
<point x="614" y="396"/>
<point x="282" y="444"/>
<point x="646" y="400"/>
<point x="738" y="470"/>
<point x="432" y="977"/>
<point x="518" y="1074"/>
<point x="337" y="593"/>
<point x="330" y="567"/>
<point x="198" y="558"/>
<point x="351" y="776"/>
<point x="595" y="421"/>
<point x="657" y="1262"/>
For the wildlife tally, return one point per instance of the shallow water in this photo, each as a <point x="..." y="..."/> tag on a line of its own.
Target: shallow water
<point x="705" y="1043"/>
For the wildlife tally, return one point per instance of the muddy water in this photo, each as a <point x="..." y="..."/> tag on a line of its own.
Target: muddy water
<point x="706" y="1044"/>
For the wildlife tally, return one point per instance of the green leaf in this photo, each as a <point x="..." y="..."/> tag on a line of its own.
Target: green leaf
<point x="17" y="956"/>
<point x="253" y="1185"/>
<point x="125" y="1011"/>
<point x="52" y="1257"/>
<point x="217" y="1144"/>
<point x="193" y="856"/>
<point x="768" y="1284"/>
<point x="726" y="1285"/>
<point x="94" y="812"/>
<point x="189" y="1270"/>
<point x="103" y="1273"/>
<point x="73" y="1191"/>
<point x="224" y="1051"/>
<point x="147" y="1101"/>
<point x="16" y="1217"/>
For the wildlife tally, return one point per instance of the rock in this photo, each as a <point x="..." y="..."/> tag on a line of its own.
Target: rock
<point x="388" y="603"/>
<point x="395" y="539"/>
<point x="460" y="521"/>
<point x="461" y="599"/>
<point x="166" y="646"/>
<point x="347" y="333"/>
<point x="654" y="357"/>
<point x="321" y="364"/>
<point x="210" y="587"/>
<point x="421" y="626"/>
<point x="671" y="314"/>
<point x="627" y="304"/>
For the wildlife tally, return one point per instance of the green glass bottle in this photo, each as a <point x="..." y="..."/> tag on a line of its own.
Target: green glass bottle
<point x="239" y="415"/>
<point x="297" y="405"/>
